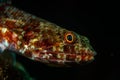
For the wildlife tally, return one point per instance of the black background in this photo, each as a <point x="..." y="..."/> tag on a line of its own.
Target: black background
<point x="86" y="18"/>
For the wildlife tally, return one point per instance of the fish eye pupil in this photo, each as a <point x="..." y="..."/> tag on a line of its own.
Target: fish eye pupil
<point x="69" y="37"/>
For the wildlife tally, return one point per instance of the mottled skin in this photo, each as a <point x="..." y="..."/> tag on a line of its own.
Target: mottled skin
<point x="41" y="40"/>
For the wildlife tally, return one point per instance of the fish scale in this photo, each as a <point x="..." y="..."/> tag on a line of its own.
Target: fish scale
<point x="41" y="40"/>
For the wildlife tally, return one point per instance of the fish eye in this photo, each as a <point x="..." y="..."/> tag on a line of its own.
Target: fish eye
<point x="69" y="37"/>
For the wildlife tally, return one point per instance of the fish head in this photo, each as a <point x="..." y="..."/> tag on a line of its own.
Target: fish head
<point x="66" y="47"/>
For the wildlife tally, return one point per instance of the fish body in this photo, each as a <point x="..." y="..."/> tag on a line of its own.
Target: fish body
<point x="41" y="40"/>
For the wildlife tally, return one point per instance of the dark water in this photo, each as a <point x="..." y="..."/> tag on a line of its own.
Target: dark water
<point x="84" y="17"/>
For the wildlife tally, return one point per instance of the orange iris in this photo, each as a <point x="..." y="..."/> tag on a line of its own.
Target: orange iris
<point x="69" y="37"/>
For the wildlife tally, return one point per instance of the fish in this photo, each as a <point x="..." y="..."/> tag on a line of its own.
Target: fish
<point x="41" y="40"/>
